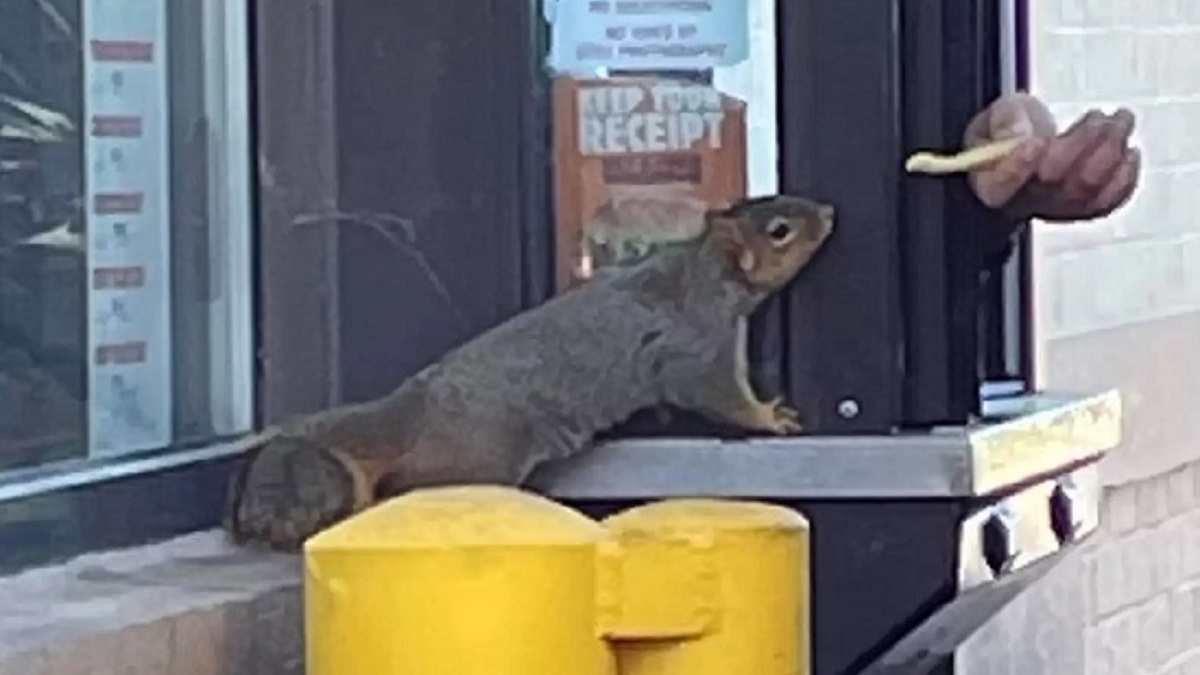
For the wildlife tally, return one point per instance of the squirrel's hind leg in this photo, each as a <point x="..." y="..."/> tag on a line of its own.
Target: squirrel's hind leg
<point x="498" y="458"/>
<point x="290" y="490"/>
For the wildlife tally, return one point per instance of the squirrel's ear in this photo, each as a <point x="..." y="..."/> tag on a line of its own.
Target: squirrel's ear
<point x="726" y="231"/>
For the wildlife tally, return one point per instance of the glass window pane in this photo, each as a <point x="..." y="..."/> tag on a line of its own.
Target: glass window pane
<point x="661" y="111"/>
<point x="125" y="294"/>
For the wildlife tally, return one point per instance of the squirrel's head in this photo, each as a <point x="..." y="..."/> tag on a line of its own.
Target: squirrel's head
<point x="769" y="239"/>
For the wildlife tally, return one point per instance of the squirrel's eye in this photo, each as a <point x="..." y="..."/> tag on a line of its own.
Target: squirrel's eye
<point x="778" y="229"/>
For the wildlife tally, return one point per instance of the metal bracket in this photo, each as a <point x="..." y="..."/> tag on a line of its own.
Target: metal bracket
<point x="935" y="640"/>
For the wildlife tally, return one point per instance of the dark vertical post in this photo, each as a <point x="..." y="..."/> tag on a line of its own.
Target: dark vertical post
<point x="404" y="182"/>
<point x="295" y="133"/>
<point x="841" y="140"/>
<point x="951" y="72"/>
<point x="929" y="389"/>
<point x="889" y="329"/>
<point x="432" y="146"/>
<point x="977" y="240"/>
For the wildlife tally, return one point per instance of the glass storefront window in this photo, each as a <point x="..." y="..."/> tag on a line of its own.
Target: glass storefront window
<point x="662" y="109"/>
<point x="125" y="178"/>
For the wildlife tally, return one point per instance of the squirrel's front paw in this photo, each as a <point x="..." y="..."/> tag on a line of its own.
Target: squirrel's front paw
<point x="777" y="417"/>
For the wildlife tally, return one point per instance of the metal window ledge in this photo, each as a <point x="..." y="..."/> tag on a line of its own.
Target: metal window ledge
<point x="1017" y="441"/>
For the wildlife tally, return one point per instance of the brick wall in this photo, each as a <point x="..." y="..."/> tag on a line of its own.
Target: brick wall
<point x="1126" y="604"/>
<point x="1119" y="305"/>
<point x="1142" y="583"/>
<point x="1118" y="301"/>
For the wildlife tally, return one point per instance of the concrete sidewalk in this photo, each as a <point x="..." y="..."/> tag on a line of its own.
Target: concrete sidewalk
<point x="190" y="606"/>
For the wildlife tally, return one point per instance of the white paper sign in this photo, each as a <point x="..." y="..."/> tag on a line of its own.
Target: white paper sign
<point x="128" y="225"/>
<point x="646" y="34"/>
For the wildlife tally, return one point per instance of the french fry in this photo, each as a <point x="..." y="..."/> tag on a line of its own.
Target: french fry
<point x="968" y="160"/>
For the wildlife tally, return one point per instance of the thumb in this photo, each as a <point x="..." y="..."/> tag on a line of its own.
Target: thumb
<point x="997" y="184"/>
<point x="1004" y="118"/>
<point x="1016" y="114"/>
<point x="1009" y="119"/>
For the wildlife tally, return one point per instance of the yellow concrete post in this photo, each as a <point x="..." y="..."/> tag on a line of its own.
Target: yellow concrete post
<point x="456" y="581"/>
<point x="700" y="587"/>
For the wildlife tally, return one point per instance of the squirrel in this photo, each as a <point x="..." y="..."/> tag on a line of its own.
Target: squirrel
<point x="539" y="386"/>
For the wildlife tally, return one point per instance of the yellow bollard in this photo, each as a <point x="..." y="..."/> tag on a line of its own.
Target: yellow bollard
<point x="700" y="587"/>
<point x="456" y="581"/>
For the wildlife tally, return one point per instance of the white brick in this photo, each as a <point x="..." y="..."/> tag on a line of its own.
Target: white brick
<point x="1139" y="567"/>
<point x="1100" y="656"/>
<point x="1189" y="533"/>
<point x="1184" y="624"/>
<point x="1071" y="15"/>
<point x="1153" y="501"/>
<point x="1154" y="633"/>
<point x="1181" y="486"/>
<point x="1124" y="12"/>
<point x="1168" y="541"/>
<point x="1120" y="510"/>
<point x="1108" y="588"/>
<point x="1120" y="638"/>
<point x="1099" y="12"/>
<point x="1146" y="67"/>
<point x="1063" y="80"/>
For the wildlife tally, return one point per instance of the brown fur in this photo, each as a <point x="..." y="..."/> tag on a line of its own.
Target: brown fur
<point x="538" y="387"/>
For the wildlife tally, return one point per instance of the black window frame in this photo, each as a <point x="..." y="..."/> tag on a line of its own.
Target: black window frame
<point x="896" y="320"/>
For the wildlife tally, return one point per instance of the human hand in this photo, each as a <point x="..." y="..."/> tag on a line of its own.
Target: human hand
<point x="1086" y="172"/>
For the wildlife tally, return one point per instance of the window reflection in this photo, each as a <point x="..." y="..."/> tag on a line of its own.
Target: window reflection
<point x="661" y="110"/>
<point x="124" y="227"/>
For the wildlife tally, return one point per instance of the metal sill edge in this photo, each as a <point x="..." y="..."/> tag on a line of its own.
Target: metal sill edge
<point x="1018" y="440"/>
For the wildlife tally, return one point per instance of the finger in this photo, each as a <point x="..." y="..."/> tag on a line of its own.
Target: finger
<point x="1077" y="142"/>
<point x="1004" y="117"/>
<point x="1097" y="169"/>
<point x="1009" y="119"/>
<point x="1121" y="187"/>
<point x="1021" y="114"/>
<point x="977" y="131"/>
<point x="1124" y="119"/>
<point x="999" y="183"/>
